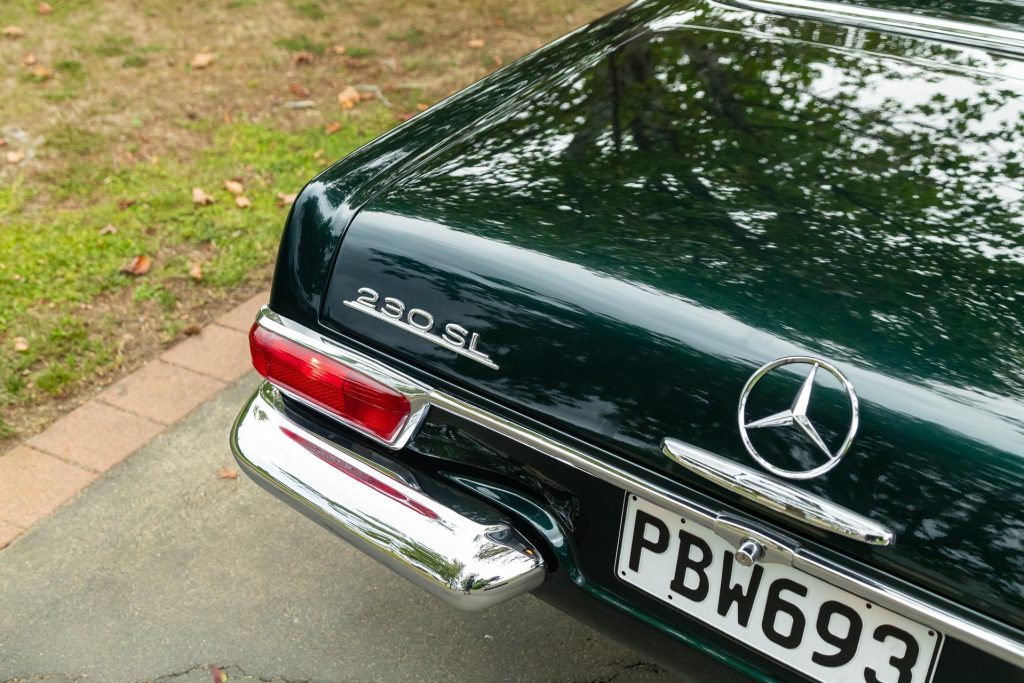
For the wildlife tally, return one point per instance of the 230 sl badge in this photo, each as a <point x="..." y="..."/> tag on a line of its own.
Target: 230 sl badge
<point x="455" y="337"/>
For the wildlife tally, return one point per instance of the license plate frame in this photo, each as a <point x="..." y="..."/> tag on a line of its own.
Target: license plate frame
<point x="882" y="643"/>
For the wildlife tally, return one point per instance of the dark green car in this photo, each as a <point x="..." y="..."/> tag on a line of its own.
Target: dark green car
<point x="704" y="323"/>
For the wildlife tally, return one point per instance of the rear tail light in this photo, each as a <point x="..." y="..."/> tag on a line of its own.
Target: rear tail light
<point x="358" y="400"/>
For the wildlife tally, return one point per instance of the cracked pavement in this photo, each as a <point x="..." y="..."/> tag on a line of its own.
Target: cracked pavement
<point x="160" y="570"/>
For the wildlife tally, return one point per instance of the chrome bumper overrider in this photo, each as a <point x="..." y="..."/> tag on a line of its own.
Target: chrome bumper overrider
<point x="468" y="564"/>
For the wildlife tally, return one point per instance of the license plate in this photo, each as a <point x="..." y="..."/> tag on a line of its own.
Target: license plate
<point x="803" y="622"/>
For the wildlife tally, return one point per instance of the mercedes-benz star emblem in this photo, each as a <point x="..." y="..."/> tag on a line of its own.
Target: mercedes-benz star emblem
<point x="795" y="417"/>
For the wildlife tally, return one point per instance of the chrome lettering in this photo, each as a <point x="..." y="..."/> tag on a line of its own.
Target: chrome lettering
<point x="455" y="334"/>
<point x="420" y="323"/>
<point x="427" y="318"/>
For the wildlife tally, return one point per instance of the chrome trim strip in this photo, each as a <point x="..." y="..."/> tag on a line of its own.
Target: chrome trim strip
<point x="971" y="633"/>
<point x="892" y="21"/>
<point x="432" y="338"/>
<point x="417" y="394"/>
<point x="776" y="495"/>
<point x="465" y="563"/>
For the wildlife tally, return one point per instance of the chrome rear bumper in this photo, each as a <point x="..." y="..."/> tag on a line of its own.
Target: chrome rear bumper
<point x="470" y="565"/>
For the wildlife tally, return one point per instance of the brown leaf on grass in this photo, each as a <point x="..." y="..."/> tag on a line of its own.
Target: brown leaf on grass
<point x="476" y="43"/>
<point x="299" y="90"/>
<point x="140" y="265"/>
<point x="41" y="73"/>
<point x="227" y="473"/>
<point x="123" y="204"/>
<point x="242" y="202"/>
<point x="15" y="156"/>
<point x="339" y="49"/>
<point x="422" y="106"/>
<point x="202" y="60"/>
<point x="29" y="60"/>
<point x="348" y="97"/>
<point x="200" y="198"/>
<point x="318" y="155"/>
<point x="404" y="116"/>
<point x="300" y="58"/>
<point x="284" y="199"/>
<point x="44" y="8"/>
<point x="234" y="187"/>
<point x="332" y="127"/>
<point x="21" y="345"/>
<point x="13" y="31"/>
<point x="196" y="271"/>
<point x="108" y="229"/>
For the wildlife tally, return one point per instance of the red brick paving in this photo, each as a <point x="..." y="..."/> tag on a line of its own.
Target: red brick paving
<point x="96" y="435"/>
<point x="34" y="484"/>
<point x="217" y="351"/>
<point x="161" y="391"/>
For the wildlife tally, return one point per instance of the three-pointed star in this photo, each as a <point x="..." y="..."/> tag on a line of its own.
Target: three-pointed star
<point x="796" y="416"/>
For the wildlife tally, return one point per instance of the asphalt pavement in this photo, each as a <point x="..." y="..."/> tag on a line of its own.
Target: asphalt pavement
<point x="161" y="570"/>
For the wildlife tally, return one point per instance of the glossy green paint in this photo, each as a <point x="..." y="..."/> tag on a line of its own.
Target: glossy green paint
<point x="636" y="218"/>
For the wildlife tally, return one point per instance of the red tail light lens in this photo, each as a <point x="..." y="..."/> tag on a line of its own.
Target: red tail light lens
<point x="358" y="400"/>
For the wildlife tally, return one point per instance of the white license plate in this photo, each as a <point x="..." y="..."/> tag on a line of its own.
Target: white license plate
<point x="807" y="624"/>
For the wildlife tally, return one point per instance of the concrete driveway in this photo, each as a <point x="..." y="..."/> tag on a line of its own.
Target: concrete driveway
<point x="160" y="570"/>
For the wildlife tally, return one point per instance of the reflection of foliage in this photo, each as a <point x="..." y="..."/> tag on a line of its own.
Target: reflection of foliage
<point x="1009" y="14"/>
<point x="889" y="183"/>
<point x="853" y="193"/>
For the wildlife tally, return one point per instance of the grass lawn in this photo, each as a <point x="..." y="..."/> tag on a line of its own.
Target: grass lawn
<point x="109" y="119"/>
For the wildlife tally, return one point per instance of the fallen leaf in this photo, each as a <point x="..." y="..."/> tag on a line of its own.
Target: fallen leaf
<point x="16" y="156"/>
<point x="123" y="204"/>
<point x="299" y="90"/>
<point x="108" y="229"/>
<point x="41" y="73"/>
<point x="202" y="60"/>
<point x="301" y="58"/>
<point x="13" y="31"/>
<point x="242" y="202"/>
<point x="332" y="127"/>
<point x="339" y="49"/>
<point x="218" y="675"/>
<point x="404" y="116"/>
<point x="140" y="265"/>
<point x="200" y="198"/>
<point x="196" y="271"/>
<point x="192" y="329"/>
<point x="234" y="187"/>
<point x="21" y="345"/>
<point x="422" y="106"/>
<point x="318" y="155"/>
<point x="476" y="43"/>
<point x="29" y="60"/>
<point x="285" y="199"/>
<point x="348" y="97"/>
<point x="44" y="8"/>
<point x="227" y="473"/>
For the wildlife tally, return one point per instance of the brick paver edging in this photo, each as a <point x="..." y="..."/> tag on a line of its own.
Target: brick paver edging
<point x="47" y="470"/>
